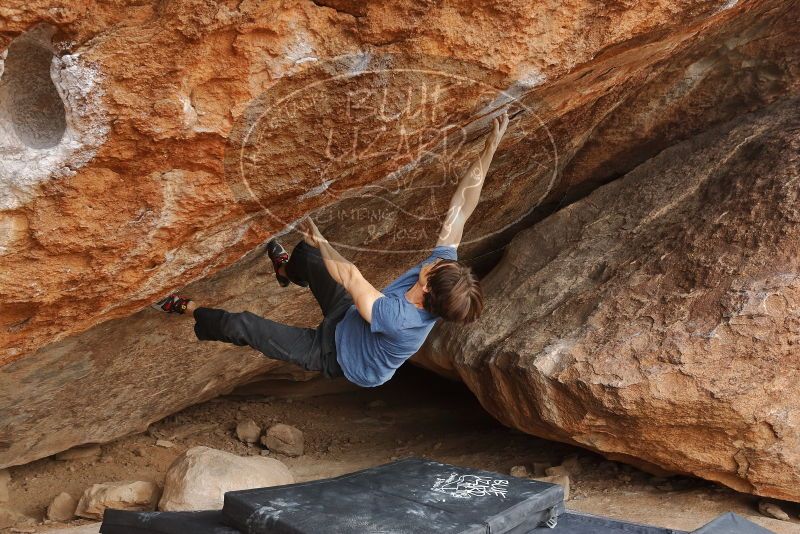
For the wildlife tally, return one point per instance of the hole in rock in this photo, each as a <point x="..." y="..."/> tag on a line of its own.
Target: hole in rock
<point x="29" y="100"/>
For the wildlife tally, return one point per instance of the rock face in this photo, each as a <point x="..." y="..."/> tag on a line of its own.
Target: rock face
<point x="5" y="478"/>
<point x="191" y="131"/>
<point x="656" y="320"/>
<point x="199" y="478"/>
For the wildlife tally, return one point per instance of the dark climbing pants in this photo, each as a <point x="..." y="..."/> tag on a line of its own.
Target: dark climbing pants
<point x="314" y="349"/>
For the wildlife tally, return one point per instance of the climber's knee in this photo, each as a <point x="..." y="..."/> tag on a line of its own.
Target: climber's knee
<point x="236" y="327"/>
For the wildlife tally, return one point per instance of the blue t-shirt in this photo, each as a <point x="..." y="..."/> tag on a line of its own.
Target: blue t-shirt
<point x="369" y="353"/>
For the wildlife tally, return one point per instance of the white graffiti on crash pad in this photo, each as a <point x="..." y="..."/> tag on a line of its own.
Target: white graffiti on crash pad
<point x="468" y="486"/>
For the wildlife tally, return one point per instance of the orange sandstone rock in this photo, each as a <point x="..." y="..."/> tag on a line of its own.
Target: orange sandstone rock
<point x="193" y="130"/>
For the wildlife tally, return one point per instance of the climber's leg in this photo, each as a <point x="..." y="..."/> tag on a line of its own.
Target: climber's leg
<point x="301" y="346"/>
<point x="313" y="349"/>
<point x="305" y="267"/>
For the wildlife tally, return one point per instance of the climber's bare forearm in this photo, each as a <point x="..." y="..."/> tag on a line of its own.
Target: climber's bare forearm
<point x="343" y="271"/>
<point x="468" y="193"/>
<point x="338" y="266"/>
<point x="464" y="201"/>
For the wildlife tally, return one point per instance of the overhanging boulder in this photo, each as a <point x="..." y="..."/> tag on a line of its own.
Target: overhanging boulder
<point x="155" y="95"/>
<point x="656" y="320"/>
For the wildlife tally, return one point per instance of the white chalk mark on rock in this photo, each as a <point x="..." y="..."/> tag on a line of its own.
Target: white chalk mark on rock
<point x="23" y="164"/>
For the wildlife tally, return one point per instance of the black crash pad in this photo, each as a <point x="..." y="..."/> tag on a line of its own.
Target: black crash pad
<point x="730" y="523"/>
<point x="571" y="522"/>
<point x="128" y="522"/>
<point x="409" y="496"/>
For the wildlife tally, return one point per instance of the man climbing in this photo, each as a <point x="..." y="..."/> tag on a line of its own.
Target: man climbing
<point x="366" y="334"/>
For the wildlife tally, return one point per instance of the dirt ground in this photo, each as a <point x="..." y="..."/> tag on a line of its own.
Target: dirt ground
<point x="346" y="429"/>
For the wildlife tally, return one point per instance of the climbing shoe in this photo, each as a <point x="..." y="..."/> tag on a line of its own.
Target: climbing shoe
<point x="278" y="256"/>
<point x="172" y="304"/>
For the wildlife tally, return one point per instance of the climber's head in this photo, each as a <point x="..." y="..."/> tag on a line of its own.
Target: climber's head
<point x="452" y="291"/>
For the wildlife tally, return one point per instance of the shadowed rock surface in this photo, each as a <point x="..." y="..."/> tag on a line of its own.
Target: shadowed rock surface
<point x="178" y="86"/>
<point x="656" y="320"/>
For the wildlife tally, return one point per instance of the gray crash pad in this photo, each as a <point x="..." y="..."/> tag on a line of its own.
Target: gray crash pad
<point x="730" y="523"/>
<point x="571" y="522"/>
<point x="409" y="496"/>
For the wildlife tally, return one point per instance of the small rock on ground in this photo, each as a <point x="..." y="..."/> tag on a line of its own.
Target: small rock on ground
<point x="519" y="471"/>
<point x="284" y="439"/>
<point x="248" y="431"/>
<point x="558" y="470"/>
<point x="771" y="509"/>
<point x="199" y="478"/>
<point x="137" y="495"/>
<point x="62" y="508"/>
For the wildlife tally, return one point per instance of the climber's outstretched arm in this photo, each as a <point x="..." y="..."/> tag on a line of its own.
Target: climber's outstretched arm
<point x="344" y="272"/>
<point x="468" y="193"/>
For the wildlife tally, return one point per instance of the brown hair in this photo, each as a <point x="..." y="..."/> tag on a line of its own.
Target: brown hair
<point x="454" y="292"/>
